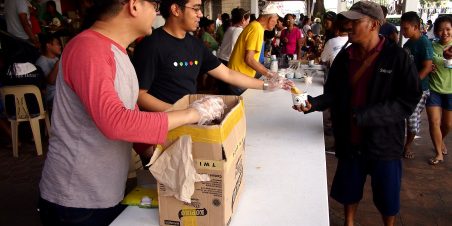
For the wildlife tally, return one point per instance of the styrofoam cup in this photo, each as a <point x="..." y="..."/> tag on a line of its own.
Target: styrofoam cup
<point x="300" y="99"/>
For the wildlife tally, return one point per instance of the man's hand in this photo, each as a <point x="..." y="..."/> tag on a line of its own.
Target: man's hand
<point x="433" y="67"/>
<point x="448" y="53"/>
<point x="301" y="108"/>
<point x="209" y="108"/>
<point x="277" y="82"/>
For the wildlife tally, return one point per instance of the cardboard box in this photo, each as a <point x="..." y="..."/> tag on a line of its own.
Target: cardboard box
<point x="218" y="150"/>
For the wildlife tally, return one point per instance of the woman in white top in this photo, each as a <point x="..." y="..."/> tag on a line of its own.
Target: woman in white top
<point x="240" y="19"/>
<point x="334" y="45"/>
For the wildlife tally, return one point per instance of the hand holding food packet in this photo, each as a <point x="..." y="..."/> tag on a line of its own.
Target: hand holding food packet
<point x="300" y="98"/>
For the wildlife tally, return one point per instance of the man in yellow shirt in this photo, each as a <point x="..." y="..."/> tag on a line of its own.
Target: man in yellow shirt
<point x="245" y="56"/>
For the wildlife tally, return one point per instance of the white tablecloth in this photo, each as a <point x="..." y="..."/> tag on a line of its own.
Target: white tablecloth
<point x="285" y="172"/>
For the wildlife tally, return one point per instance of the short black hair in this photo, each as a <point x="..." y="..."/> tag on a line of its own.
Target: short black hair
<point x="412" y="18"/>
<point x="330" y="15"/>
<point x="286" y="18"/>
<point x="238" y="14"/>
<point x="51" y="3"/>
<point x="225" y="17"/>
<point x="439" y="21"/>
<point x="252" y="17"/>
<point x="165" y="6"/>
<point x="45" y="39"/>
<point x="205" y="22"/>
<point x="101" y="9"/>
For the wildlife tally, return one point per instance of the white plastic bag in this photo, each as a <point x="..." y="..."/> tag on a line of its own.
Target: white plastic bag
<point x="175" y="169"/>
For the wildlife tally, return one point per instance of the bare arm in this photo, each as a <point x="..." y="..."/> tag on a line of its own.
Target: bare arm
<point x="27" y="28"/>
<point x="236" y="78"/>
<point x="426" y="68"/>
<point x="148" y="102"/>
<point x="51" y="77"/>
<point x="179" y="118"/>
<point x="252" y="63"/>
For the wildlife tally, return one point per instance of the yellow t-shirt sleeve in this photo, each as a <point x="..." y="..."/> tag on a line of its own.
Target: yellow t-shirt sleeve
<point x="254" y="39"/>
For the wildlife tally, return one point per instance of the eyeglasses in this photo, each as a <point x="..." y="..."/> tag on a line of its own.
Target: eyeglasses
<point x="154" y="3"/>
<point x="197" y="8"/>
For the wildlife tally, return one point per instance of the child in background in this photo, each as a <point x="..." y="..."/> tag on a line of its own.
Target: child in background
<point x="421" y="52"/>
<point x="48" y="62"/>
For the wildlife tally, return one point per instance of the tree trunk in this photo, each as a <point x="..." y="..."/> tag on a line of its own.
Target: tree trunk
<point x="308" y="7"/>
<point x="319" y="8"/>
<point x="399" y="6"/>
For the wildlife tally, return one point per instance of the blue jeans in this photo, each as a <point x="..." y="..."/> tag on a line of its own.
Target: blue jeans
<point x="55" y="215"/>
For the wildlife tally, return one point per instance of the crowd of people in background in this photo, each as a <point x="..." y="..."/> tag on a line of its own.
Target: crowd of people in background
<point x="176" y="59"/>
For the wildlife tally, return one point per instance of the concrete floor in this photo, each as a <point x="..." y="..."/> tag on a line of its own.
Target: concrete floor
<point x="426" y="196"/>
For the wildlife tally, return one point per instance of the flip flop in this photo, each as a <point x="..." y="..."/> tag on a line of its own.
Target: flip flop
<point x="408" y="155"/>
<point x="444" y="150"/>
<point x="435" y="161"/>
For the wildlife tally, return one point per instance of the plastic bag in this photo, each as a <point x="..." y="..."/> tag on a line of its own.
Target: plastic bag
<point x="210" y="108"/>
<point x="175" y="169"/>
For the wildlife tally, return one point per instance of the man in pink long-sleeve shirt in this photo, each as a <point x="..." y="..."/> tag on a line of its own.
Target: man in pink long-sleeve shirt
<point x="95" y="118"/>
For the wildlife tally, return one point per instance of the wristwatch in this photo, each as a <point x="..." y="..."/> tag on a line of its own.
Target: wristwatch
<point x="265" y="85"/>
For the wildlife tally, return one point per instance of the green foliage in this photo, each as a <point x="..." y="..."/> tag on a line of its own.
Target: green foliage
<point x="430" y="2"/>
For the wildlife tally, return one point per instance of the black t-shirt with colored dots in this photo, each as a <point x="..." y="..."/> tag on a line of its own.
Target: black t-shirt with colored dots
<point x="168" y="67"/>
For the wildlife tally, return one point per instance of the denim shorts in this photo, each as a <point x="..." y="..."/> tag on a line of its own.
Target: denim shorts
<point x="440" y="100"/>
<point x="386" y="176"/>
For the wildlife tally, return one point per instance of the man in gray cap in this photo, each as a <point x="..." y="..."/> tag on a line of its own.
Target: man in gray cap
<point x="371" y="88"/>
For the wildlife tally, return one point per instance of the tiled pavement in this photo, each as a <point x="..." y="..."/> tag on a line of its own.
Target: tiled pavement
<point x="426" y="195"/>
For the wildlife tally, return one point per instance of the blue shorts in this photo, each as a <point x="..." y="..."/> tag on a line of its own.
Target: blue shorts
<point x="386" y="176"/>
<point x="440" y="100"/>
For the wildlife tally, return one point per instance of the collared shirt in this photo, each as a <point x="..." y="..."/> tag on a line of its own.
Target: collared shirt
<point x="359" y="90"/>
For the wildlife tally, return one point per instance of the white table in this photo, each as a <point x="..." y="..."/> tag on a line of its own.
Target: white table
<point x="285" y="169"/>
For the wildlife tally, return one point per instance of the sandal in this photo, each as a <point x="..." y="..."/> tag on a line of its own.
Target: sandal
<point x="435" y="161"/>
<point x="444" y="150"/>
<point x="408" y="155"/>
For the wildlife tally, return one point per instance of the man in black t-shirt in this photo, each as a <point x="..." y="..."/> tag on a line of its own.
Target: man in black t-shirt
<point x="169" y="61"/>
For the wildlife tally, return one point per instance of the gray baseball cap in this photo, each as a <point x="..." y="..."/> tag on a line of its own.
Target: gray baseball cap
<point x="364" y="8"/>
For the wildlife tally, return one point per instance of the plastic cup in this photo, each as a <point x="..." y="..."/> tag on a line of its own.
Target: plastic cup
<point x="298" y="75"/>
<point x="282" y="72"/>
<point x="448" y="63"/>
<point x="300" y="99"/>
<point x="290" y="74"/>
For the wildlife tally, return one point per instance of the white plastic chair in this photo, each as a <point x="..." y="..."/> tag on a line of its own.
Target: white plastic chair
<point x="22" y="114"/>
